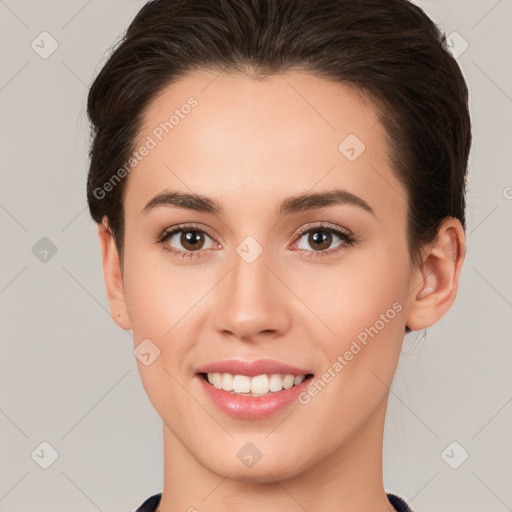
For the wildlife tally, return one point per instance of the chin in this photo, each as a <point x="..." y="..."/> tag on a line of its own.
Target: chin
<point x="263" y="471"/>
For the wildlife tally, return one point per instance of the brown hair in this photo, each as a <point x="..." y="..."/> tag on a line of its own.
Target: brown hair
<point x="391" y="50"/>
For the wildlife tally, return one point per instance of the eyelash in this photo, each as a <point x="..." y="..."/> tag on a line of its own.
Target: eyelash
<point x="347" y="239"/>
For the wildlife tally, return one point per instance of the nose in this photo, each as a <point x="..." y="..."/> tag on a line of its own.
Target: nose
<point x="251" y="302"/>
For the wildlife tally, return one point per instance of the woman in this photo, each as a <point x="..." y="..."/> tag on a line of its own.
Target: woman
<point x="279" y="189"/>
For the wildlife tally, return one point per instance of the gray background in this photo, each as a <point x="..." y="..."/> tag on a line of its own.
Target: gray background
<point x="68" y="376"/>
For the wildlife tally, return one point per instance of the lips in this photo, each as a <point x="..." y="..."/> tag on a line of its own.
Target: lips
<point x="247" y="407"/>
<point x="252" y="368"/>
<point x="252" y="406"/>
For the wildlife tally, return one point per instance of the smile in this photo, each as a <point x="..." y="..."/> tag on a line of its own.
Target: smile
<point x="243" y="403"/>
<point x="258" y="385"/>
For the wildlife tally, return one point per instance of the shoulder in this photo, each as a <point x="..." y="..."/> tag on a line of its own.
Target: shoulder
<point x="399" y="504"/>
<point x="150" y="504"/>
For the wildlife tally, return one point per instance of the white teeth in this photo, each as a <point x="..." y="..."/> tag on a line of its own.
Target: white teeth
<point x="276" y="382"/>
<point x="259" y="384"/>
<point x="227" y="381"/>
<point x="217" y="380"/>
<point x="288" y="381"/>
<point x="298" y="379"/>
<point x="255" y="386"/>
<point x="241" y="384"/>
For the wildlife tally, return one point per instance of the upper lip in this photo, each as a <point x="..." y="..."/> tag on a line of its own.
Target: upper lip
<point x="252" y="368"/>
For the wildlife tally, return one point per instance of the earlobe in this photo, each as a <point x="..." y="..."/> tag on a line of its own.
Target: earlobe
<point x="435" y="284"/>
<point x="113" y="276"/>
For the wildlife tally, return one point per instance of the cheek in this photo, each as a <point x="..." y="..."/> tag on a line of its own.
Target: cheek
<point x="363" y="306"/>
<point x="167" y="304"/>
<point x="160" y="304"/>
<point x="158" y="293"/>
<point x="353" y="295"/>
<point x="376" y="320"/>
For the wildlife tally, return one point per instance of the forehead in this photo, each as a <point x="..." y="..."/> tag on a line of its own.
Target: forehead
<point x="247" y="141"/>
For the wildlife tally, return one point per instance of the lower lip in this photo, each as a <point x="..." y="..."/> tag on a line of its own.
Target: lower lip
<point x="253" y="407"/>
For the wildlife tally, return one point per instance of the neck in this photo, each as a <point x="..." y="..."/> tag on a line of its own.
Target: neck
<point x="346" y="480"/>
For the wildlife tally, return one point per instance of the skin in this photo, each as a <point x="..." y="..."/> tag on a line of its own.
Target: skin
<point x="248" y="144"/>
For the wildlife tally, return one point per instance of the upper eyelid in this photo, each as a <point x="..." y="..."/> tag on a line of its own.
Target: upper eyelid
<point x="338" y="230"/>
<point x="183" y="227"/>
<point x="324" y="225"/>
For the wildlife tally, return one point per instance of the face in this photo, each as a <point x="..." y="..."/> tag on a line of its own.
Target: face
<point x="319" y="283"/>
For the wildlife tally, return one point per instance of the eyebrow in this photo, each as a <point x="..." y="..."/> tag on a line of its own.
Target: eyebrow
<point x="292" y="204"/>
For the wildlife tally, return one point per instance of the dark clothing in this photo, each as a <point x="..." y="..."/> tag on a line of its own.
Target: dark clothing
<point x="151" y="503"/>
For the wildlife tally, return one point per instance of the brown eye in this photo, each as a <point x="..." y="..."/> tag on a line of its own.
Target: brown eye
<point x="321" y="239"/>
<point x="192" y="240"/>
<point x="185" y="241"/>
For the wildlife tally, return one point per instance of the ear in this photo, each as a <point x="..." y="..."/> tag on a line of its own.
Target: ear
<point x="113" y="276"/>
<point x="435" y="283"/>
